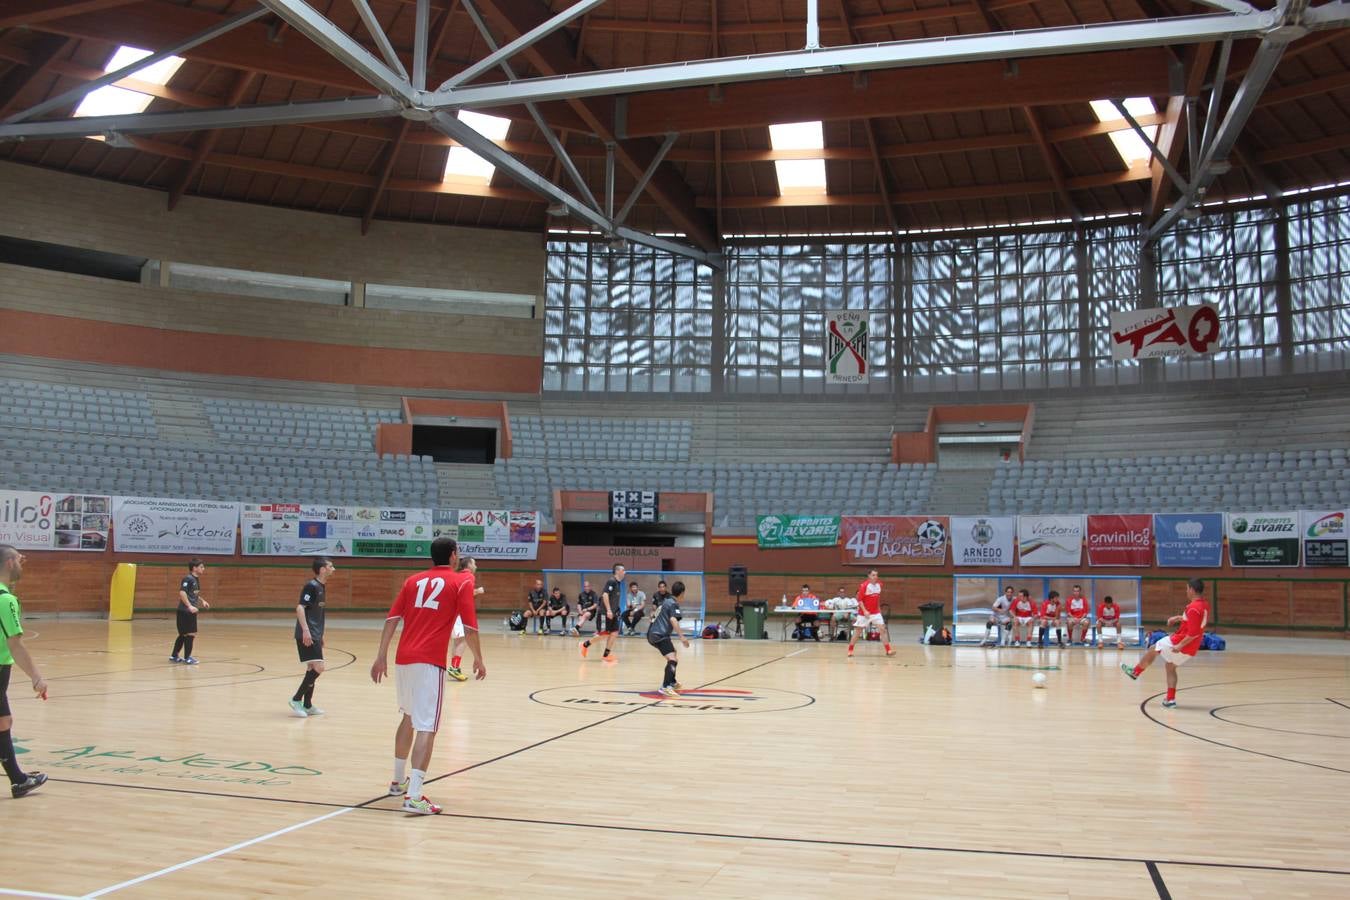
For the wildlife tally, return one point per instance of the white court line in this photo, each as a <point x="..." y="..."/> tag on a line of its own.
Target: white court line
<point x="200" y="859"/>
<point x="795" y="652"/>
<point x="14" y="892"/>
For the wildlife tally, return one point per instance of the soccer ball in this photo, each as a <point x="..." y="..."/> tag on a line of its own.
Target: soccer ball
<point x="1038" y="679"/>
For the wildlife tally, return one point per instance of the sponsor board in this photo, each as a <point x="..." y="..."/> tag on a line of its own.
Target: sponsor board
<point x="296" y="529"/>
<point x="894" y="540"/>
<point x="163" y="525"/>
<point x="1189" y="540"/>
<point x="983" y="540"/>
<point x="1263" y="538"/>
<point x="781" y="531"/>
<point x="1325" y="538"/>
<point x="1050" y="540"/>
<point x="391" y="532"/>
<point x="1165" y="331"/>
<point x="719" y="701"/>
<point x="845" y="347"/>
<point x="490" y="533"/>
<point x="1120" y="540"/>
<point x="49" y="520"/>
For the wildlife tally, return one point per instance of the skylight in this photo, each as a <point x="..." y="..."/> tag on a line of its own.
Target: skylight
<point x="120" y="101"/>
<point x="463" y="164"/>
<point x="799" y="176"/>
<point x="1133" y="151"/>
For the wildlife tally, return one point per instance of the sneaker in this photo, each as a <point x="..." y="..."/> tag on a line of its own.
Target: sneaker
<point x="455" y="673"/>
<point x="576" y="632"/>
<point x="677" y="686"/>
<point x="421" y="806"/>
<point x="890" y="652"/>
<point x="1129" y="670"/>
<point x="298" y="709"/>
<point x="398" y="788"/>
<point x="313" y="711"/>
<point x="850" y="654"/>
<point x="611" y="658"/>
<point x="584" y="649"/>
<point x="175" y="659"/>
<point x="191" y="660"/>
<point x="1169" y="704"/>
<point x="669" y="692"/>
<point x="34" y="781"/>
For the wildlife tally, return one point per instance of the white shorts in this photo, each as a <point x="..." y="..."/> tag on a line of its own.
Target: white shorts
<point x="419" y="688"/>
<point x="1025" y="621"/>
<point x="1169" y="653"/>
<point x="458" y="630"/>
<point x="865" y="619"/>
<point x="1109" y="623"/>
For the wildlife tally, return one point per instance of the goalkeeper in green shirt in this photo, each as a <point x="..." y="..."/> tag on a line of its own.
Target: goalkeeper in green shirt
<point x="13" y="651"/>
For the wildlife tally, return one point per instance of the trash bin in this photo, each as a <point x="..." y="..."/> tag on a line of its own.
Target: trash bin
<point x="932" y="616"/>
<point x="753" y="614"/>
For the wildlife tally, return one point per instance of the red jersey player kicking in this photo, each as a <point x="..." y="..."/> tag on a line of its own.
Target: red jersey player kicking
<point x="428" y="605"/>
<point x="869" y="612"/>
<point x="1176" y="649"/>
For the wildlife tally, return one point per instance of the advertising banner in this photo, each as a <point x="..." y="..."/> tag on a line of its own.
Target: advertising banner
<point x="1050" y="540"/>
<point x="41" y="520"/>
<point x="1116" y="540"/>
<point x="1165" y="331"/>
<point x="490" y="533"/>
<point x="1263" y="538"/>
<point x="296" y="529"/>
<point x="1325" y="538"/>
<point x="779" y="531"/>
<point x="983" y="540"/>
<point x="391" y="531"/>
<point x="1189" y="540"/>
<point x="895" y="540"/>
<point x="187" y="527"/>
<point x="845" y="347"/>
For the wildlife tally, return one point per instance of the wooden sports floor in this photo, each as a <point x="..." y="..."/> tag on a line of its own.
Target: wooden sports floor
<point x="786" y="770"/>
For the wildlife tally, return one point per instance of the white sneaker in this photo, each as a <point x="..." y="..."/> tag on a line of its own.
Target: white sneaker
<point x="298" y="709"/>
<point x="421" y="806"/>
<point x="313" y="711"/>
<point x="398" y="788"/>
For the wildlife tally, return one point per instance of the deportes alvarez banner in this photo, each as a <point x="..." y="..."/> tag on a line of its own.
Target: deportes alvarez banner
<point x="1263" y="539"/>
<point x="391" y="531"/>
<point x="490" y="533"/>
<point x="41" y="520"/>
<point x="1050" y="540"/>
<point x="297" y="529"/>
<point x="845" y="347"/>
<point x="1189" y="540"/>
<point x="1168" y="331"/>
<point x="983" y="540"/>
<point x="187" y="527"/>
<point x="894" y="540"/>
<point x="1120" y="540"/>
<point x="779" y="532"/>
<point x="1325" y="538"/>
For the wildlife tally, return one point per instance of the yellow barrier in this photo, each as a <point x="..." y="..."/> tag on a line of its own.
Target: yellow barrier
<point x="122" y="593"/>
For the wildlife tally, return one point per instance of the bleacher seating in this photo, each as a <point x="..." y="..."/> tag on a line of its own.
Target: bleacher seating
<point x="76" y="408"/>
<point x="609" y="438"/>
<point x="297" y="425"/>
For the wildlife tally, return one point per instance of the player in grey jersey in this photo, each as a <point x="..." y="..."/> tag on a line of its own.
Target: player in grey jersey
<point x="664" y="627"/>
<point x="1000" y="617"/>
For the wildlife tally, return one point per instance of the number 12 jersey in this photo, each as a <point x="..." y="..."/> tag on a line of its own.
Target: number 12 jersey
<point x="429" y="603"/>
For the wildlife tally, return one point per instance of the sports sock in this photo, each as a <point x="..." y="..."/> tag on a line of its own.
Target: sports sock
<point x="7" y="759"/>
<point x="400" y="769"/>
<point x="669" y="678"/>
<point x="1138" y="669"/>
<point x="606" y="651"/>
<point x="585" y="643"/>
<point x="1171" y="693"/>
<point x="304" y="685"/>
<point x="850" y="648"/>
<point x="1059" y="635"/>
<point x="310" y="677"/>
<point x="415" y="783"/>
<point x="888" y="648"/>
<point x="178" y="645"/>
<point x="454" y="661"/>
<point x="188" y="641"/>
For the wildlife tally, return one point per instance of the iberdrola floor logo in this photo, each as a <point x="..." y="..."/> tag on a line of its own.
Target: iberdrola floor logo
<point x="693" y="700"/>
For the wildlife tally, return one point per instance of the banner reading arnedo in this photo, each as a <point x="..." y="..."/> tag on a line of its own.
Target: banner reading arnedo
<point x="1166" y="331"/>
<point x="490" y="533"/>
<point x="1189" y="540"/>
<point x="1263" y="539"/>
<point x="1050" y="540"/>
<point x="983" y="540"/>
<point x="391" y="531"/>
<point x="297" y="529"/>
<point x="779" y="531"/>
<point x="188" y="527"/>
<point x="43" y="520"/>
<point x="895" y="540"/>
<point x="1115" y="540"/>
<point x="1325" y="538"/>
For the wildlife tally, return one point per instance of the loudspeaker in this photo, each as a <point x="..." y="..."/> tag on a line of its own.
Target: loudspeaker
<point x="738" y="579"/>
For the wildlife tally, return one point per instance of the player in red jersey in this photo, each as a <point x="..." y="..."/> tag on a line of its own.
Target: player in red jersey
<point x="1051" y="616"/>
<point x="1024" y="617"/>
<point x="1079" y="611"/>
<point x="1178" y="648"/>
<point x="869" y="612"/>
<point x="428" y="605"/>
<point x="1108" y="614"/>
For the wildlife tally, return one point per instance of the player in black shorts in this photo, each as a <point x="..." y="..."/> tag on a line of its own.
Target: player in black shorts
<point x="13" y="651"/>
<point x="536" y="606"/>
<point x="189" y="602"/>
<point x="660" y="634"/>
<point x="309" y="616"/>
<point x="607" y="614"/>
<point x="586" y="606"/>
<point x="557" y="609"/>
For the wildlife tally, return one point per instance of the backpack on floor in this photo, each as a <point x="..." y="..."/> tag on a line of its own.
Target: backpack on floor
<point x="1212" y="641"/>
<point x="516" y="621"/>
<point x="710" y="633"/>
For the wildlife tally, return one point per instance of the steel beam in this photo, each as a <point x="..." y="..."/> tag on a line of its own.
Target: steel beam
<point x="377" y="34"/>
<point x="534" y="35"/>
<point x="422" y="24"/>
<point x="67" y="97"/>
<point x="196" y="120"/>
<point x="1153" y="148"/>
<point x="309" y="22"/>
<point x="646" y="177"/>
<point x="890" y="55"/>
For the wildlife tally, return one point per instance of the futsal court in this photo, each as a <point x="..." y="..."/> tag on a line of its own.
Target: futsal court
<point x="784" y="769"/>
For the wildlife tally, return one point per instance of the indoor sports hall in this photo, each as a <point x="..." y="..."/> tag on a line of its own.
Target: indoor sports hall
<point x="620" y="448"/>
